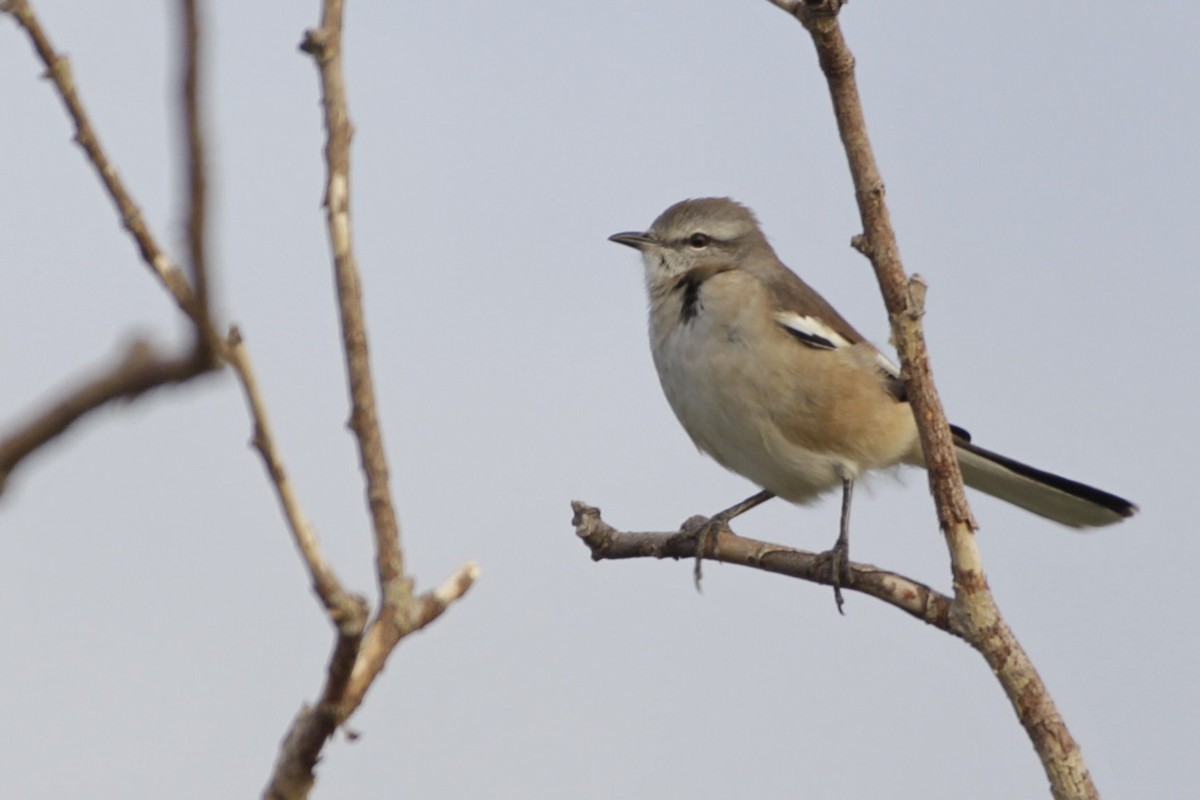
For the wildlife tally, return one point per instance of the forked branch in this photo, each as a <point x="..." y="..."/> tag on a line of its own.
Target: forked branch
<point x="140" y="370"/>
<point x="360" y="655"/>
<point x="360" y="649"/>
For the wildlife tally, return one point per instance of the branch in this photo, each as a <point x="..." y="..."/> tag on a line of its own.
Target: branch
<point x="341" y="605"/>
<point x="878" y="243"/>
<point x="59" y="72"/>
<point x="974" y="615"/>
<point x="293" y="777"/>
<point x="325" y="46"/>
<point x="360" y="654"/>
<point x="606" y="543"/>
<point x="387" y="631"/>
<point x="207" y="344"/>
<point x="138" y="371"/>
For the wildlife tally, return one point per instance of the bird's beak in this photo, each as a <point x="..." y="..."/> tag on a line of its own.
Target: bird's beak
<point x="638" y="241"/>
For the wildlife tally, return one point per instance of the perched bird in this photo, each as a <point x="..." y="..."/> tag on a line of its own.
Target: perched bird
<point x="768" y="379"/>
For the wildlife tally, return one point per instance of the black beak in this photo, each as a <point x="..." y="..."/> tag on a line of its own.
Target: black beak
<point x="638" y="241"/>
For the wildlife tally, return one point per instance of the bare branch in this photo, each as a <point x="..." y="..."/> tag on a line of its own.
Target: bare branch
<point x="340" y="604"/>
<point x="797" y="7"/>
<point x="139" y="370"/>
<point x="974" y="615"/>
<point x="207" y="345"/>
<point x="356" y="663"/>
<point x="59" y="72"/>
<point x="878" y="243"/>
<point x="325" y="46"/>
<point x="386" y="632"/>
<point x="353" y="666"/>
<point x="906" y="594"/>
<point x="196" y="183"/>
<point x="431" y="605"/>
<point x="293" y="777"/>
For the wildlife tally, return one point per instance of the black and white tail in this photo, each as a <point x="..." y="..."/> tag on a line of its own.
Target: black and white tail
<point x="1045" y="494"/>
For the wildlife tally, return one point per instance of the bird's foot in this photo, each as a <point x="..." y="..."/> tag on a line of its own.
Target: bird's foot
<point x="705" y="532"/>
<point x="837" y="561"/>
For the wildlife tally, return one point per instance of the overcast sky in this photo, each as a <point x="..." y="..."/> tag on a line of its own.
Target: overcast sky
<point x="157" y="626"/>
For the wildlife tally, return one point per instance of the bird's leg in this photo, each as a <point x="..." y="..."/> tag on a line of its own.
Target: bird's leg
<point x="706" y="538"/>
<point x="839" y="554"/>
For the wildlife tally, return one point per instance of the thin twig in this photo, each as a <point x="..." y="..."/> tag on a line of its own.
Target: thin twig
<point x="974" y="615"/>
<point x="59" y="71"/>
<point x="340" y="604"/>
<point x="207" y="346"/>
<point x="906" y="594"/>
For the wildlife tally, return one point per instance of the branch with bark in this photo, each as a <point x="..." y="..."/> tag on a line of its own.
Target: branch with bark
<point x="140" y="370"/>
<point x="362" y="643"/>
<point x="606" y="543"/>
<point x="359" y="655"/>
<point x="972" y="614"/>
<point x="975" y="614"/>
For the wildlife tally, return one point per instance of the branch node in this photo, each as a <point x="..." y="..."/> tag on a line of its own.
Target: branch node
<point x="349" y="612"/>
<point x="315" y="43"/>
<point x="860" y="243"/>
<point x="916" y="288"/>
<point x="811" y="12"/>
<point x="594" y="532"/>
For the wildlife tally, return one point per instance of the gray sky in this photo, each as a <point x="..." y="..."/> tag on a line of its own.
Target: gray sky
<point x="158" y="629"/>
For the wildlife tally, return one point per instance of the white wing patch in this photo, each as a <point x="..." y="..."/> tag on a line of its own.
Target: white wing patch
<point x="811" y="330"/>
<point x="886" y="365"/>
<point x="816" y="333"/>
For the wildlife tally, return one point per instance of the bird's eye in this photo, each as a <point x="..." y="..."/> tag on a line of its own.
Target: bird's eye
<point x="699" y="240"/>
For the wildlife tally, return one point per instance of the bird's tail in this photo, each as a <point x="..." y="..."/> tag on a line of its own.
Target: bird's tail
<point x="1045" y="494"/>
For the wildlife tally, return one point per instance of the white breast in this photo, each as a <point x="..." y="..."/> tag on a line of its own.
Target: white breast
<point x="721" y="377"/>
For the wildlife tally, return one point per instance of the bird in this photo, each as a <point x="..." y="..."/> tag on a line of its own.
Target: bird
<point x="768" y="379"/>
